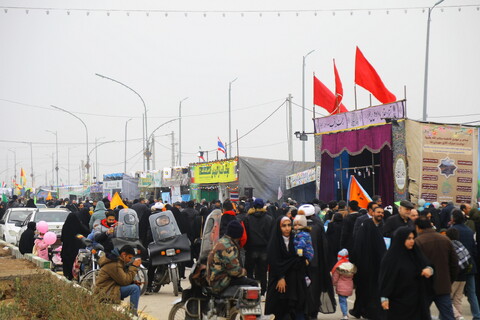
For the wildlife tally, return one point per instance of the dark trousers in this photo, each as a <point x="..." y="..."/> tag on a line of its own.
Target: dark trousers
<point x="256" y="265"/>
<point x="443" y="302"/>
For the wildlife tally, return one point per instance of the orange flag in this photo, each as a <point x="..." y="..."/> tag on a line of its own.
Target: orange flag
<point x="356" y="192"/>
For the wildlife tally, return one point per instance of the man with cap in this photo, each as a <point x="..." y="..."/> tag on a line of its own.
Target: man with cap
<point x="258" y="225"/>
<point x="401" y="219"/>
<point x="223" y="264"/>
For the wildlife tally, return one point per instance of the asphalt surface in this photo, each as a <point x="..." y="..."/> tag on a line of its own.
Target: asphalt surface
<point x="158" y="305"/>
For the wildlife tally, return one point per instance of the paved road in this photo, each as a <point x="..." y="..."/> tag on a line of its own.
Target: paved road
<point x="158" y="305"/>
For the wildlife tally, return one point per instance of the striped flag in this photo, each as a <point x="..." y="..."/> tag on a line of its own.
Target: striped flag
<point x="220" y="145"/>
<point x="23" y="178"/>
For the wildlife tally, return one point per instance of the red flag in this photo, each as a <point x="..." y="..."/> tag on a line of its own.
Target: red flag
<point x="368" y="78"/>
<point x="338" y="87"/>
<point x="324" y="98"/>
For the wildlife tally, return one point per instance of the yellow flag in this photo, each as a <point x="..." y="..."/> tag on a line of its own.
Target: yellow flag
<point x="117" y="201"/>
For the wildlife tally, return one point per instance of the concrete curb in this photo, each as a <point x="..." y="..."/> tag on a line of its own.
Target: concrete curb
<point x="39" y="262"/>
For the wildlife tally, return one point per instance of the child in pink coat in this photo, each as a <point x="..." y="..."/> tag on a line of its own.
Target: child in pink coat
<point x="41" y="247"/>
<point x="342" y="278"/>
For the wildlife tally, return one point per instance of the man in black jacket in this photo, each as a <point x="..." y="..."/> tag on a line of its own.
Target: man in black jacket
<point x="140" y="208"/>
<point x="346" y="239"/>
<point x="398" y="220"/>
<point x="258" y="225"/>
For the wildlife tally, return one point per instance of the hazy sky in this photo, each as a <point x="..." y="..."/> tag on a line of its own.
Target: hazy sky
<point x="194" y="49"/>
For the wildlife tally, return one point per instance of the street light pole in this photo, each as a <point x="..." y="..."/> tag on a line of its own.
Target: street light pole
<point x="303" y="102"/>
<point x="425" y="83"/>
<point x="56" y="149"/>
<point x="229" y="152"/>
<point x="86" y="132"/>
<point x="146" y="151"/>
<point x="125" y="162"/>
<point x="96" y="159"/>
<point x="180" y="132"/>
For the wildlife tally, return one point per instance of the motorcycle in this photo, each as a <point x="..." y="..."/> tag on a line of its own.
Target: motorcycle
<point x="126" y="232"/>
<point x="199" y="303"/>
<point x="169" y="247"/>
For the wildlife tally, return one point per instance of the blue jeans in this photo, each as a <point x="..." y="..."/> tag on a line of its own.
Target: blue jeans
<point x="470" y="292"/>
<point x="444" y="306"/>
<point x="133" y="291"/>
<point x="342" y="301"/>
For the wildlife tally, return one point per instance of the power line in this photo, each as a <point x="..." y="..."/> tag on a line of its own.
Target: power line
<point x="139" y="117"/>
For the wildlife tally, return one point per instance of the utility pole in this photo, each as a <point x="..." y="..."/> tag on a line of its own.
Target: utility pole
<point x="125" y="162"/>
<point x="153" y="152"/>
<point x="290" y="132"/>
<point x="31" y="166"/>
<point x="173" y="149"/>
<point x="68" y="166"/>
<point x="14" y="165"/>
<point x="180" y="132"/>
<point x="303" y="102"/>
<point x="229" y="148"/>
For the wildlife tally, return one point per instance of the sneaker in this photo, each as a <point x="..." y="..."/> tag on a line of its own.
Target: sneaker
<point x="345" y="317"/>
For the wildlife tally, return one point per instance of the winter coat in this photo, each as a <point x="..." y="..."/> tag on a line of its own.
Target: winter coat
<point x="223" y="264"/>
<point x="98" y="214"/>
<point x="342" y="279"/>
<point x="113" y="275"/>
<point x="259" y="228"/>
<point x="440" y="252"/>
<point x="42" y="249"/>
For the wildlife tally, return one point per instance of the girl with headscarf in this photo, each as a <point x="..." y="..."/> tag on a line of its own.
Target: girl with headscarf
<point x="70" y="243"/>
<point x="403" y="279"/>
<point x="286" y="292"/>
<point x="30" y="204"/>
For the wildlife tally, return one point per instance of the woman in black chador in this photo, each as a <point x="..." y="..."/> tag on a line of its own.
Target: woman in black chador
<point x="404" y="278"/>
<point x="286" y="292"/>
<point x="70" y="243"/>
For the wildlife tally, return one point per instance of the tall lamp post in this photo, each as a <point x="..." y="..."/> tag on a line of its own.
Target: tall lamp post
<point x="86" y="132"/>
<point x="180" y="132"/>
<point x="303" y="102"/>
<point x="229" y="150"/>
<point x="425" y="84"/>
<point x="147" y="152"/>
<point x="56" y="149"/>
<point x="125" y="162"/>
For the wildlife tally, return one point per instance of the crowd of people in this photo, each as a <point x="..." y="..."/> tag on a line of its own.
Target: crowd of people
<point x="398" y="259"/>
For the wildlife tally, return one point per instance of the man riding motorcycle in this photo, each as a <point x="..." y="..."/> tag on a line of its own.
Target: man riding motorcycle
<point x="223" y="264"/>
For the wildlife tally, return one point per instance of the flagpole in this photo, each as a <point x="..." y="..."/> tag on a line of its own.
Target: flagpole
<point x="355" y="93"/>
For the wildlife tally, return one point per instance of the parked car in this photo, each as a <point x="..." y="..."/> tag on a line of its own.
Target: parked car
<point x="55" y="218"/>
<point x="12" y="221"/>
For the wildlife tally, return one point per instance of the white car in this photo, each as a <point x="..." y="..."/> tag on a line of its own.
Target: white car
<point x="12" y="221"/>
<point x="54" y="217"/>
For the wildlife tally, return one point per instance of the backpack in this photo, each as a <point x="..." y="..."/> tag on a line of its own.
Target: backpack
<point x="465" y="261"/>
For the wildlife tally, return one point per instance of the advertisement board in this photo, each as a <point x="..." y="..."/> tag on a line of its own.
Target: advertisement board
<point x="448" y="163"/>
<point x="215" y="172"/>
